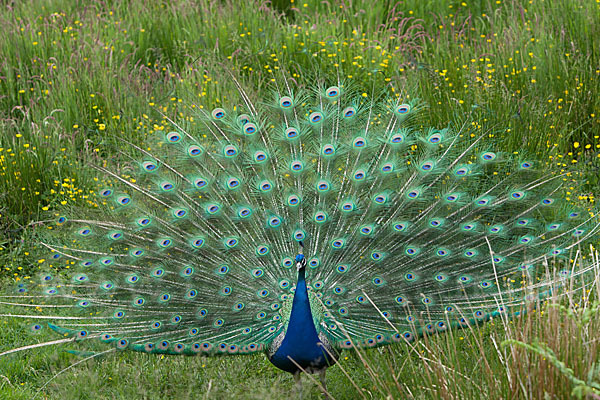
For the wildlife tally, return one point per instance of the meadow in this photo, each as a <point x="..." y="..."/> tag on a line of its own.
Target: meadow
<point x="76" y="77"/>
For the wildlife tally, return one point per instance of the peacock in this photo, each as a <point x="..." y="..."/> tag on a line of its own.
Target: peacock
<point x="300" y="223"/>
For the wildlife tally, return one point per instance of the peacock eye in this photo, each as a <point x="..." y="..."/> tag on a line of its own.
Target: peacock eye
<point x="333" y="92"/>
<point x="286" y="102"/>
<point x="349" y="112"/>
<point x="218" y="113"/>
<point x="403" y="109"/>
<point x="315" y="117"/>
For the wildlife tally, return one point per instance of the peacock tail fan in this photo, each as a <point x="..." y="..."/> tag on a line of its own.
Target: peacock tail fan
<point x="407" y="229"/>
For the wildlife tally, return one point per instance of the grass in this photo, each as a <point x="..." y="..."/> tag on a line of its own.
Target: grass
<point x="550" y="352"/>
<point x="71" y="75"/>
<point x="74" y="77"/>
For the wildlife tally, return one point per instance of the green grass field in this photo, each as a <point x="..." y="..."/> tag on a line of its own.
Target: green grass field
<point x="551" y="352"/>
<point x="74" y="76"/>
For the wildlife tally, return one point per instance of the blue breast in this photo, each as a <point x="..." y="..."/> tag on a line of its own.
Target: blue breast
<point x="301" y="341"/>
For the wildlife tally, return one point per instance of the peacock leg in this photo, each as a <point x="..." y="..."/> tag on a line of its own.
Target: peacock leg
<point x="298" y="385"/>
<point x="322" y="378"/>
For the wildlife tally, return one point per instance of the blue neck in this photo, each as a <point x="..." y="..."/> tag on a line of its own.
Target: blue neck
<point x="301" y="325"/>
<point x="301" y="341"/>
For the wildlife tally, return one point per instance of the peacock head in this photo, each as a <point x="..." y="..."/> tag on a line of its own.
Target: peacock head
<point x="300" y="261"/>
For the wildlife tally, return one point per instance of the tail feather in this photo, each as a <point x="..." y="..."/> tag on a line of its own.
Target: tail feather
<point x="191" y="246"/>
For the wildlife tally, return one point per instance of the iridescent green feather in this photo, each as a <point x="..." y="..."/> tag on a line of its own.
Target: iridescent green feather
<point x="407" y="230"/>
